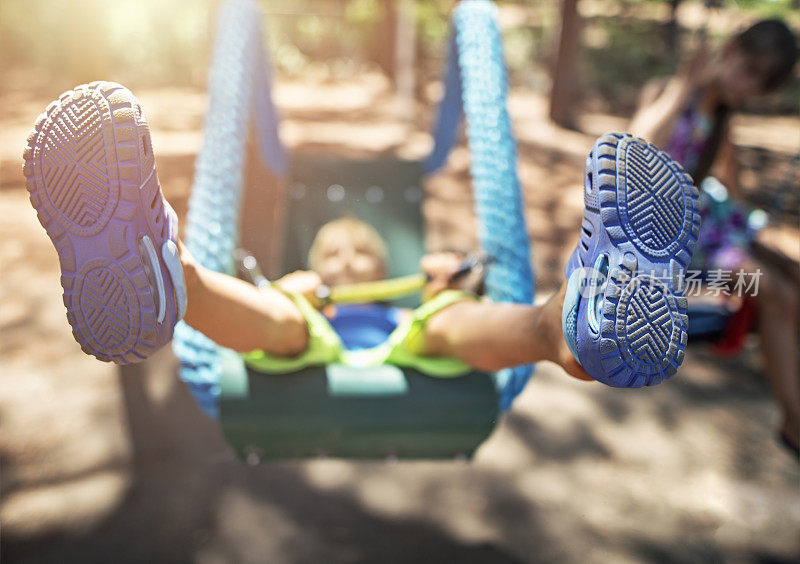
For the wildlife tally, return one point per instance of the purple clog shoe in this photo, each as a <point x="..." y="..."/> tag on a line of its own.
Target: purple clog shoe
<point x="91" y="176"/>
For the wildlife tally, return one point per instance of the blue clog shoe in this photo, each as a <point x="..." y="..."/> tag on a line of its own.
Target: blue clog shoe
<point x="624" y="316"/>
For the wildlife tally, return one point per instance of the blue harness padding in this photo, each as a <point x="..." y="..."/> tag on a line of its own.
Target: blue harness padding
<point x="363" y="326"/>
<point x="476" y="81"/>
<point x="475" y="86"/>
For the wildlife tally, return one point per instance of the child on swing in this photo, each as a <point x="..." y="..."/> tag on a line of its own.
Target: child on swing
<point x="128" y="279"/>
<point x="690" y="116"/>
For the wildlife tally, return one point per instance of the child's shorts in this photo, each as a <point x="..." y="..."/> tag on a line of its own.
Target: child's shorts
<point x="402" y="348"/>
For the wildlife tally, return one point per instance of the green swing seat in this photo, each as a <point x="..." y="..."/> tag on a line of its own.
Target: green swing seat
<point x="351" y="412"/>
<point x="341" y="410"/>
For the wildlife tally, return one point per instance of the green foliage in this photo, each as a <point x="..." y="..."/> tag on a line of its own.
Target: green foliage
<point x="167" y="43"/>
<point x="767" y="8"/>
<point x="626" y="55"/>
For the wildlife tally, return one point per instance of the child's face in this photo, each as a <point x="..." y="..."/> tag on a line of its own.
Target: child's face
<point x="741" y="77"/>
<point x="343" y="259"/>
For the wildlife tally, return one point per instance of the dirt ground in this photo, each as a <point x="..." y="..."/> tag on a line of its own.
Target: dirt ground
<point x="102" y="464"/>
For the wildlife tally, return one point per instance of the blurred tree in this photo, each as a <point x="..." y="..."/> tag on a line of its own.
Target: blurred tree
<point x="405" y="55"/>
<point x="87" y="40"/>
<point x="563" y="93"/>
<point x="671" y="28"/>
<point x="385" y="39"/>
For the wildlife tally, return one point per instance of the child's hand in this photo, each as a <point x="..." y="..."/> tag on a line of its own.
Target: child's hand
<point x="303" y="282"/>
<point x="440" y="267"/>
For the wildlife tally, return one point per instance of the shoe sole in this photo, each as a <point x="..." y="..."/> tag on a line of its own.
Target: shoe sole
<point x="647" y="208"/>
<point x="90" y="174"/>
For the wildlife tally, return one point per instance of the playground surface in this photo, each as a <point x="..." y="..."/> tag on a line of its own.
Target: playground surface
<point x="108" y="464"/>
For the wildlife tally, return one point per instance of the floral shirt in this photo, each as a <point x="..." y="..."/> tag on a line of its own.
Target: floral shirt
<point x="724" y="234"/>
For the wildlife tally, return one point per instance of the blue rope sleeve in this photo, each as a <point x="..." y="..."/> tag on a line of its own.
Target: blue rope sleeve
<point x="498" y="198"/>
<point x="238" y="69"/>
<point x="450" y="112"/>
<point x="265" y="115"/>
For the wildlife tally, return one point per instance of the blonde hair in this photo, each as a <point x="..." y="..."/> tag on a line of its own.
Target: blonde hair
<point x="361" y="233"/>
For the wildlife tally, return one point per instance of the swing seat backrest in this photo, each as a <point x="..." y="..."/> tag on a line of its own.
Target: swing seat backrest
<point x="386" y="193"/>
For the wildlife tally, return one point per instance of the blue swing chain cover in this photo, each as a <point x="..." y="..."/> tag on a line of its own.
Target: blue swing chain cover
<point x="477" y="50"/>
<point x="239" y="70"/>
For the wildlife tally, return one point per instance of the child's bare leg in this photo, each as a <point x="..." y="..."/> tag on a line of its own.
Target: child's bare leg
<point x="624" y="313"/>
<point x="490" y="336"/>
<point x="240" y="316"/>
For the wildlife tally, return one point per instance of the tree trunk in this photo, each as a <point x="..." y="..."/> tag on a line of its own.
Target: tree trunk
<point x="404" y="55"/>
<point x="384" y="41"/>
<point x="563" y="94"/>
<point x="671" y="29"/>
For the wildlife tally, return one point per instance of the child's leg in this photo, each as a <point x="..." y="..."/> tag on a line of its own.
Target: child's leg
<point x="490" y="336"/>
<point x="240" y="316"/>
<point x="622" y="313"/>
<point x="91" y="174"/>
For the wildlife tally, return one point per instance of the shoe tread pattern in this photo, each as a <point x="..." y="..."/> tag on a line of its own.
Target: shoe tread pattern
<point x="75" y="166"/>
<point x="655" y="202"/>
